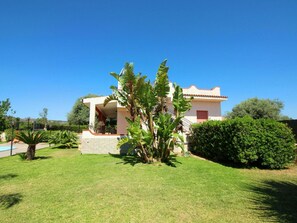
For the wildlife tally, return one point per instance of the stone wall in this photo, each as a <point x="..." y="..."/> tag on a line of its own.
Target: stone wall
<point x="105" y="144"/>
<point x="100" y="144"/>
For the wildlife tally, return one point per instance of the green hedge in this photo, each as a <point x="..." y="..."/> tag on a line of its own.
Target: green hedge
<point x="245" y="142"/>
<point x="72" y="128"/>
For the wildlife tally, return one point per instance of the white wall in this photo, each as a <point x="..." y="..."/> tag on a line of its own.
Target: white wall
<point x="213" y="108"/>
<point x="194" y="90"/>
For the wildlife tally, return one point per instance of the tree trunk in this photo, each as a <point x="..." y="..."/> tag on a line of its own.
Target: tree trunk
<point x="31" y="152"/>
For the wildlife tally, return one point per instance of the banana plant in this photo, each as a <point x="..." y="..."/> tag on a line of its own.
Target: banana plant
<point x="129" y="87"/>
<point x="167" y="137"/>
<point x="139" y="140"/>
<point x="161" y="87"/>
<point x="180" y="103"/>
<point x="152" y="132"/>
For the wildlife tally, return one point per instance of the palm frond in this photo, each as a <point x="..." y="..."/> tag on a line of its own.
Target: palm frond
<point x="31" y="137"/>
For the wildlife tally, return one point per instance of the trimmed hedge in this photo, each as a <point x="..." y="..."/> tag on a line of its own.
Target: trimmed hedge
<point x="72" y="128"/>
<point x="245" y="142"/>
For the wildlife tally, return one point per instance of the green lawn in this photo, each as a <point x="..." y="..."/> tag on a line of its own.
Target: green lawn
<point x="64" y="186"/>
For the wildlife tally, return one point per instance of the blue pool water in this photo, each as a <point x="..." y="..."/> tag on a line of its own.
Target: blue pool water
<point x="4" y="148"/>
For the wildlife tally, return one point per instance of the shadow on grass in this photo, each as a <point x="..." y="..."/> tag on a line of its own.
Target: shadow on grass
<point x="8" y="176"/>
<point x="133" y="160"/>
<point x="232" y="164"/>
<point x="52" y="146"/>
<point x="23" y="157"/>
<point x="8" y="200"/>
<point x="126" y="159"/>
<point x="42" y="157"/>
<point x="173" y="161"/>
<point x="277" y="200"/>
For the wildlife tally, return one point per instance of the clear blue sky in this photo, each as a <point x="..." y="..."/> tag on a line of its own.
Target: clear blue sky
<point x="54" y="51"/>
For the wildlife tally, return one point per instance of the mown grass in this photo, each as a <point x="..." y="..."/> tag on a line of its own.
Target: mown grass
<point x="64" y="186"/>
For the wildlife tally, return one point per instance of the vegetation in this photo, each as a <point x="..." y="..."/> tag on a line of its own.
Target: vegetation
<point x="63" y="139"/>
<point x="64" y="186"/>
<point x="64" y="127"/>
<point x="32" y="139"/>
<point x="79" y="114"/>
<point x="43" y="117"/>
<point x="293" y="125"/>
<point x="152" y="133"/>
<point x="47" y="135"/>
<point x="245" y="141"/>
<point x="4" y="108"/>
<point x="258" y="108"/>
<point x="9" y="134"/>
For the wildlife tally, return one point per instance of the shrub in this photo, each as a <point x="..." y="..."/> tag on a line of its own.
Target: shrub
<point x="48" y="134"/>
<point x="72" y="128"/>
<point x="64" y="139"/>
<point x="293" y="125"/>
<point x="244" y="142"/>
<point x="31" y="138"/>
<point x="8" y="134"/>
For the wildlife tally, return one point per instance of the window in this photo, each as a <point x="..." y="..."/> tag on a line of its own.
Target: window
<point x="202" y="116"/>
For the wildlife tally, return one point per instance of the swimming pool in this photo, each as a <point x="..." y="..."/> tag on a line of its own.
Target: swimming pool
<point x="4" y="148"/>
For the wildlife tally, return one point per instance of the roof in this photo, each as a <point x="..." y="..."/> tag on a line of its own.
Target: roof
<point x="206" y="96"/>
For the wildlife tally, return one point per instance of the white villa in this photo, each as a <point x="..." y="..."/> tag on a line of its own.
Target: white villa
<point x="102" y="136"/>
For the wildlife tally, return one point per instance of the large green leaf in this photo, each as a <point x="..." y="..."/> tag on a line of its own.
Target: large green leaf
<point x="180" y="103"/>
<point x="162" y="82"/>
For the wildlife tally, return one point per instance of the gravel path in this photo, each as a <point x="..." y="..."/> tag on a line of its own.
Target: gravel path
<point x="19" y="148"/>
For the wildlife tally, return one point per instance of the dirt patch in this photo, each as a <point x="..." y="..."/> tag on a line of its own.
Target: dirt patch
<point x="291" y="171"/>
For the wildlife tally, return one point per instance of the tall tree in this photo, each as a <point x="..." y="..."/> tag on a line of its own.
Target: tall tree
<point x="4" y="108"/>
<point x="79" y="115"/>
<point x="258" y="108"/>
<point x="43" y="117"/>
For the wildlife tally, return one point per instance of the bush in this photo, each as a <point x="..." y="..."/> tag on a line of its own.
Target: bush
<point x="8" y="134"/>
<point x="48" y="134"/>
<point x="72" y="128"/>
<point x="245" y="142"/>
<point x="293" y="125"/>
<point x="64" y="139"/>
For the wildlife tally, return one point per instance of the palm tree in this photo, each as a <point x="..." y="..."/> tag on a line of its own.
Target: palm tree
<point x="32" y="139"/>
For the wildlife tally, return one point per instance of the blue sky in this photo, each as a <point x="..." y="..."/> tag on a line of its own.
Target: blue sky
<point x="52" y="52"/>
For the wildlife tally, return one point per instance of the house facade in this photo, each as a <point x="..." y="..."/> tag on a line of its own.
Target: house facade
<point x="108" y="123"/>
